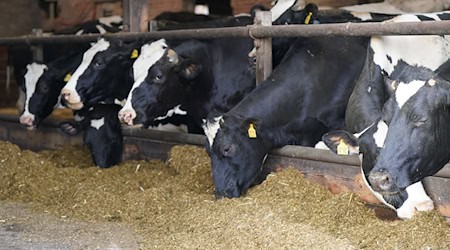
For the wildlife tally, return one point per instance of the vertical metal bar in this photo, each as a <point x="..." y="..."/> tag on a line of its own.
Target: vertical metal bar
<point x="38" y="50"/>
<point x="263" y="48"/>
<point x="135" y="15"/>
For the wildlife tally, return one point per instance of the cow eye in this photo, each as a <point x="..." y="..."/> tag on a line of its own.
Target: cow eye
<point x="44" y="88"/>
<point x="228" y="150"/>
<point x="158" y="78"/>
<point x="420" y="122"/>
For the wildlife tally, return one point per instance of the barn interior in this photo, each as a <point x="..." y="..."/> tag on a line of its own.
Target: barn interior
<point x="161" y="195"/>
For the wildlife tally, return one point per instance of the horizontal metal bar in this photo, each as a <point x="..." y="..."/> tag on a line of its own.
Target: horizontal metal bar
<point x="339" y="29"/>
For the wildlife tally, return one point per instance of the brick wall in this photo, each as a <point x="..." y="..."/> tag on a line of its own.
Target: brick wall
<point x="158" y="6"/>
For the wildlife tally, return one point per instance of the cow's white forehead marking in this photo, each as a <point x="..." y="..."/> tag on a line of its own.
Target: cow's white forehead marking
<point x="380" y="135"/>
<point x="34" y="72"/>
<point x="429" y="51"/>
<point x="98" y="123"/>
<point x="150" y="54"/>
<point x="407" y="90"/>
<point x="88" y="56"/>
<point x="174" y="111"/>
<point x="211" y="128"/>
<point x="280" y="7"/>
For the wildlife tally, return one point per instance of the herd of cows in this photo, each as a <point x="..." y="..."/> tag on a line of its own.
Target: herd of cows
<point x="386" y="98"/>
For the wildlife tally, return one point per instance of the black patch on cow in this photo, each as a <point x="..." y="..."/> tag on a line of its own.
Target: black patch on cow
<point x="424" y="18"/>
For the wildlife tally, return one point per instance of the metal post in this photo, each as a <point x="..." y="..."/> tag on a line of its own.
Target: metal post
<point x="263" y="48"/>
<point x="135" y="15"/>
<point x="38" y="50"/>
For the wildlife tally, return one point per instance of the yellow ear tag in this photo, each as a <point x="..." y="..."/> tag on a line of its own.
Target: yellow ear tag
<point x="134" y="54"/>
<point x="67" y="77"/>
<point x="342" y="148"/>
<point x="251" y="131"/>
<point x="308" y="18"/>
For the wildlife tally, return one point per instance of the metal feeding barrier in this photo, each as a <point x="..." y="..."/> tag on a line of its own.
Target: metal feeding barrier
<point x="337" y="173"/>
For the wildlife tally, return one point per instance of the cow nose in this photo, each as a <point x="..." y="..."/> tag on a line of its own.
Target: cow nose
<point x="127" y="116"/>
<point x="381" y="180"/>
<point x="65" y="94"/>
<point x="26" y="120"/>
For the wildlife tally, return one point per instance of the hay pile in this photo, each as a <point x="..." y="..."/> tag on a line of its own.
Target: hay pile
<point x="172" y="204"/>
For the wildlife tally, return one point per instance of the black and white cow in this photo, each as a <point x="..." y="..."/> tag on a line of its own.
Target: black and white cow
<point x="194" y="78"/>
<point x="102" y="25"/>
<point x="297" y="104"/>
<point x="102" y="133"/>
<point x="399" y="111"/>
<point x="103" y="75"/>
<point x="42" y="83"/>
<point x="286" y="12"/>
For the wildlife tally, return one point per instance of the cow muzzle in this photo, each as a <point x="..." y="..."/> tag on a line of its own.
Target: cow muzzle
<point x="382" y="181"/>
<point x="27" y="120"/>
<point x="127" y="116"/>
<point x="71" y="99"/>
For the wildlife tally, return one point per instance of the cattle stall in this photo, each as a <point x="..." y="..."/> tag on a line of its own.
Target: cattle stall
<point x="336" y="173"/>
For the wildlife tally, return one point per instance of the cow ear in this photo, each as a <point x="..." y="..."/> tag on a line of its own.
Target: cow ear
<point x="310" y="12"/>
<point x="341" y="142"/>
<point x="189" y="69"/>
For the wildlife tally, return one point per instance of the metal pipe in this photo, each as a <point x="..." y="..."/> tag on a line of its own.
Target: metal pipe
<point x="339" y="29"/>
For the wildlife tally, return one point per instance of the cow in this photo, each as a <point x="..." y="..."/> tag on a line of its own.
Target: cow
<point x="102" y="25"/>
<point x="399" y="114"/>
<point x="103" y="75"/>
<point x="295" y="12"/>
<point x="102" y="133"/>
<point x="42" y="83"/>
<point x="194" y="78"/>
<point x="297" y="104"/>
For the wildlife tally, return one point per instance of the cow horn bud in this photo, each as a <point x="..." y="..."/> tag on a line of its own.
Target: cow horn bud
<point x="172" y="55"/>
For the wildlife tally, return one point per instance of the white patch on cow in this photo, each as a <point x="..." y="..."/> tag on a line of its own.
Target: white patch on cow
<point x="98" y="123"/>
<point x="150" y="54"/>
<point x="211" y="128"/>
<point x="120" y="102"/>
<point x="369" y="89"/>
<point x="100" y="29"/>
<point x="357" y="135"/>
<point x="79" y="32"/>
<point x="407" y="90"/>
<point x="170" y="128"/>
<point x="34" y="72"/>
<point x="380" y="135"/>
<point x="364" y="16"/>
<point x="108" y="21"/>
<point x="88" y="56"/>
<point x="383" y="7"/>
<point x="429" y="51"/>
<point x="280" y="7"/>
<point x="174" y="111"/>
<point x="321" y="145"/>
<point x="418" y="200"/>
<point x="78" y="118"/>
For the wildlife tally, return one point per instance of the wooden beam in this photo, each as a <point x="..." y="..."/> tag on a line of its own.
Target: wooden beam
<point x="135" y="15"/>
<point x="263" y="48"/>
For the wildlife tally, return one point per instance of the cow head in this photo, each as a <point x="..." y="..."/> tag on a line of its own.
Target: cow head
<point x="238" y="148"/>
<point x="162" y="80"/>
<point x="103" y="64"/>
<point x="41" y="85"/>
<point x="408" y="143"/>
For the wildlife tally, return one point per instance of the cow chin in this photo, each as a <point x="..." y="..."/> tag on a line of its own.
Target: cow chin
<point x="395" y="199"/>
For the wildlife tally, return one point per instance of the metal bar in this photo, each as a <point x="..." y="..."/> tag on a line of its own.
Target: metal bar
<point x="342" y="29"/>
<point x="263" y="48"/>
